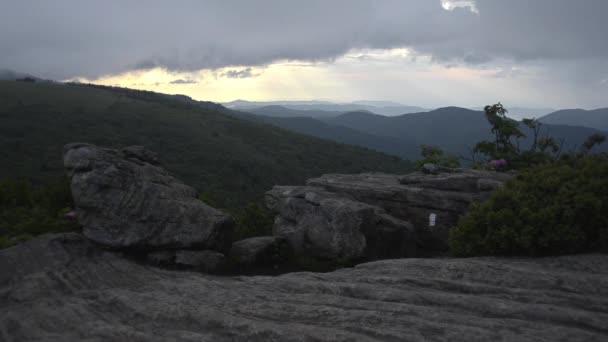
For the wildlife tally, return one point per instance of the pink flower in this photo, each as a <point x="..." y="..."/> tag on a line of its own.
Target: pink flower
<point x="72" y="215"/>
<point x="498" y="164"/>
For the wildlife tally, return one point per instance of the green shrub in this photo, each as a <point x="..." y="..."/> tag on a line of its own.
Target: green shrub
<point x="27" y="211"/>
<point x="435" y="155"/>
<point x="506" y="144"/>
<point x="553" y="208"/>
<point x="253" y="220"/>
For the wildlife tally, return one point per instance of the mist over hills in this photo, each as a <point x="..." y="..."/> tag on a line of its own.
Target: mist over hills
<point x="518" y="113"/>
<point x="454" y="129"/>
<point x="280" y="111"/>
<point x="11" y="75"/>
<point x="401" y="147"/>
<point x="380" y="107"/>
<point x="328" y="109"/>
<point x="597" y="118"/>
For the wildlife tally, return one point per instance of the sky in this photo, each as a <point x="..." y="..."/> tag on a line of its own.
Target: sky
<point x="429" y="53"/>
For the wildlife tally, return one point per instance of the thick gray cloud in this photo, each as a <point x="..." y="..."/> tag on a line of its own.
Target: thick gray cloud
<point x="69" y="38"/>
<point x="244" y="73"/>
<point x="181" y="81"/>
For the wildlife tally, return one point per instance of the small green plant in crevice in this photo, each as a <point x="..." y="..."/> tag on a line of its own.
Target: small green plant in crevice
<point x="27" y="211"/>
<point x="253" y="220"/>
<point x="435" y="155"/>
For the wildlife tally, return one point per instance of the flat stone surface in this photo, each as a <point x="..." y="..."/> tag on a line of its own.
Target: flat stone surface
<point x="63" y="288"/>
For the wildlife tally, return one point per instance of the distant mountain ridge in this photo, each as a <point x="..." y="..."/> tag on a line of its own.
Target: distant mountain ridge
<point x="454" y="129"/>
<point x="402" y="147"/>
<point x="284" y="112"/>
<point x="519" y="113"/>
<point x="597" y="118"/>
<point x="11" y="75"/>
<point x="380" y="107"/>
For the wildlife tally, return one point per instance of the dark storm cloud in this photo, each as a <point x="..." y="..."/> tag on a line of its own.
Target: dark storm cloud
<point x="244" y="73"/>
<point x="69" y="38"/>
<point x="180" y="81"/>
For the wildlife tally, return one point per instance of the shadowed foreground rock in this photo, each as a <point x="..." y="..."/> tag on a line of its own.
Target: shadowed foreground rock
<point x="370" y="216"/>
<point x="124" y="199"/>
<point x="63" y="288"/>
<point x="320" y="224"/>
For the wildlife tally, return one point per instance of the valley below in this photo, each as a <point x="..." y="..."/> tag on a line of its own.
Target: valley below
<point x="307" y="171"/>
<point x="352" y="244"/>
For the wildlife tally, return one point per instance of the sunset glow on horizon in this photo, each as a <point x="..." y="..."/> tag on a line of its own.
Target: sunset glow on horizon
<point x="407" y="77"/>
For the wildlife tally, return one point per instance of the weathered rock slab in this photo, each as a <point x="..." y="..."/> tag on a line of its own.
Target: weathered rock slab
<point x="321" y="224"/>
<point x="417" y="197"/>
<point x="63" y="288"/>
<point x="124" y="199"/>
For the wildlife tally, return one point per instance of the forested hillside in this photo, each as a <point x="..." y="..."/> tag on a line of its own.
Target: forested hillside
<point x="229" y="160"/>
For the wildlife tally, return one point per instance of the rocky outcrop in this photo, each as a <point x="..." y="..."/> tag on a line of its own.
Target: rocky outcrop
<point x="349" y="213"/>
<point x="324" y="225"/>
<point x="64" y="288"/>
<point x="124" y="199"/>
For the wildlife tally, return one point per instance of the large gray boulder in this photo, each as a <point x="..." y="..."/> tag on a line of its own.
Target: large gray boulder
<point x="64" y="288"/>
<point x="433" y="203"/>
<point x="124" y="199"/>
<point x="324" y="225"/>
<point x="375" y="215"/>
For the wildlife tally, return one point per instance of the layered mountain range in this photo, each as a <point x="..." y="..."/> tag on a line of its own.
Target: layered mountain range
<point x="454" y="129"/>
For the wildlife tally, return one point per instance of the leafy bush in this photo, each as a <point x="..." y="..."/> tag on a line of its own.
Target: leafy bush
<point x="435" y="155"/>
<point x="507" y="136"/>
<point x="27" y="211"/>
<point x="253" y="220"/>
<point x="553" y="208"/>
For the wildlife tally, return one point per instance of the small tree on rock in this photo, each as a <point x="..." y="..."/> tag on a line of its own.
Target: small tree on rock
<point x="435" y="155"/>
<point x="507" y="136"/>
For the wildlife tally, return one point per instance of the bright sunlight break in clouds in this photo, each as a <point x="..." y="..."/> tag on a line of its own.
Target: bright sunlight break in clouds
<point x="418" y="52"/>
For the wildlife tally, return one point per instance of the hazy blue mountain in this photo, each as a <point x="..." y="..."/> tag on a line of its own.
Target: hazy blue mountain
<point x="597" y="118"/>
<point x="379" y="103"/>
<point x="454" y="129"/>
<point x="280" y="111"/>
<point x="255" y="104"/>
<point x="380" y="107"/>
<point x="11" y="75"/>
<point x="387" y="111"/>
<point x="519" y="113"/>
<point x="401" y="147"/>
